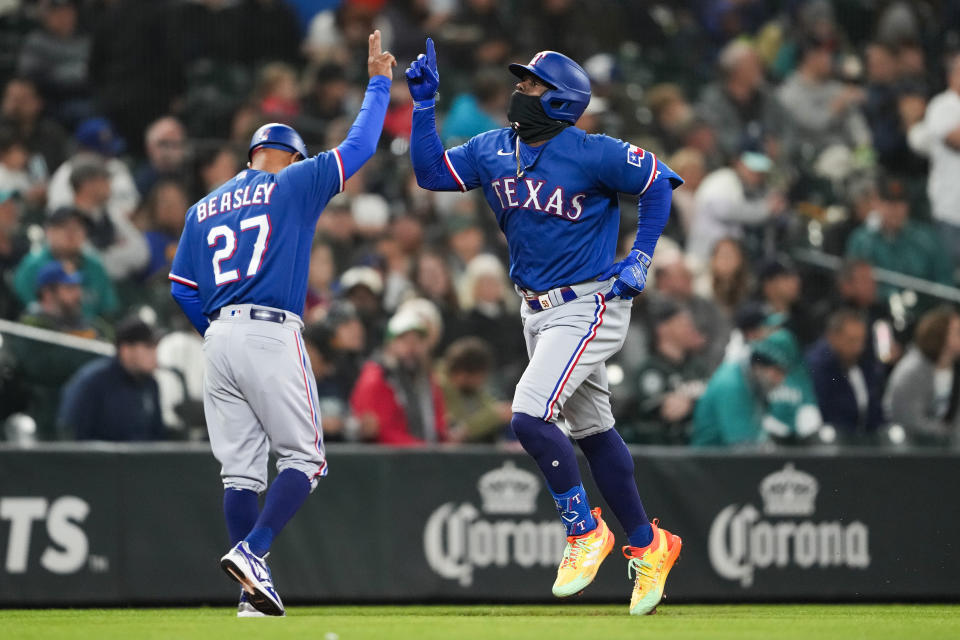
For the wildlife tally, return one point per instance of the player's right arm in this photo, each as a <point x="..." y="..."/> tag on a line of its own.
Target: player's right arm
<point x="323" y="176"/>
<point x="436" y="169"/>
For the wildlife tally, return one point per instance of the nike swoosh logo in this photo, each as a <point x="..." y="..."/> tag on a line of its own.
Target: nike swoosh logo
<point x="501" y="152"/>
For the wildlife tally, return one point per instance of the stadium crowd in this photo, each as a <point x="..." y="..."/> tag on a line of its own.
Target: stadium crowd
<point x="801" y="293"/>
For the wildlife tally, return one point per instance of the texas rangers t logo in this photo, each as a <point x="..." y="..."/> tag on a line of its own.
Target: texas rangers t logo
<point x="635" y="155"/>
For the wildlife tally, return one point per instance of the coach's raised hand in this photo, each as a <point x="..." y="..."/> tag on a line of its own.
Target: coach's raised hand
<point x="379" y="63"/>
<point x="423" y="79"/>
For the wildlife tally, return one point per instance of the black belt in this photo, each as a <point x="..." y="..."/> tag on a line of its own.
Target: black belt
<point x="267" y="315"/>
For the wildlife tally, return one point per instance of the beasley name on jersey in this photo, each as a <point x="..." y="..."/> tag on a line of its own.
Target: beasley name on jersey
<point x="249" y="240"/>
<point x="560" y="215"/>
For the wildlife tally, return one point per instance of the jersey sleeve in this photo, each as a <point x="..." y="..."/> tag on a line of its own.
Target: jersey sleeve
<point x="627" y="168"/>
<point x="312" y="182"/>
<point x="182" y="269"/>
<point x="462" y="164"/>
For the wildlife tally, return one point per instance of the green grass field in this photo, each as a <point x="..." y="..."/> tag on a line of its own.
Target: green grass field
<point x="672" y="622"/>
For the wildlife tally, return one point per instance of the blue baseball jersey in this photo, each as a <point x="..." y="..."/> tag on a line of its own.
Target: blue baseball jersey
<point x="249" y="240"/>
<point x="557" y="203"/>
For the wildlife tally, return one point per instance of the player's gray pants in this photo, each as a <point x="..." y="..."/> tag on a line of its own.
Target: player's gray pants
<point x="568" y="346"/>
<point x="260" y="395"/>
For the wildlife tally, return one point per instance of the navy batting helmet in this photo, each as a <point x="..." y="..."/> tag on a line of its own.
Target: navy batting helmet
<point x="569" y="90"/>
<point x="277" y="136"/>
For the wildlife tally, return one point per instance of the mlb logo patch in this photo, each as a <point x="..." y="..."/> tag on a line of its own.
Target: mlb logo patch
<point x="635" y="155"/>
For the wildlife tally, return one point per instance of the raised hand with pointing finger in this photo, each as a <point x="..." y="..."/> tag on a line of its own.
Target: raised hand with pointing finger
<point x="423" y="79"/>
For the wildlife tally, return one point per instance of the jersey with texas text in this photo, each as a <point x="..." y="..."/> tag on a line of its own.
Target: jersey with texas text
<point x="249" y="240"/>
<point x="557" y="204"/>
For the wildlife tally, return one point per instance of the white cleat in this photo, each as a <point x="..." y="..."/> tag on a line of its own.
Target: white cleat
<point x="246" y="610"/>
<point x="253" y="575"/>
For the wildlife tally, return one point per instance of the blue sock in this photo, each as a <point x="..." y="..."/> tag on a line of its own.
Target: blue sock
<point x="612" y="467"/>
<point x="240" y="509"/>
<point x="285" y="496"/>
<point x="574" y="511"/>
<point x="555" y="456"/>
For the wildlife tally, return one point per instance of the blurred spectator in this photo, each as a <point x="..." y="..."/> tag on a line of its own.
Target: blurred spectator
<point x="735" y="202"/>
<point x="116" y="398"/>
<point x="750" y="323"/>
<point x="396" y="399"/>
<point x="734" y="408"/>
<point x="16" y="173"/>
<point x="690" y="164"/>
<point x="164" y="210"/>
<point x="22" y="108"/>
<point x="900" y="244"/>
<point x="66" y="240"/>
<point x="97" y="142"/>
<point x="279" y="98"/>
<point x="434" y="282"/>
<point x="363" y="288"/>
<point x="881" y="107"/>
<point x="729" y="281"/>
<point x="672" y="114"/>
<point x="846" y="377"/>
<point x="473" y="413"/>
<point x="739" y="106"/>
<point x="670" y="382"/>
<point x="942" y="124"/>
<point x="56" y="57"/>
<point x="479" y="110"/>
<point x="121" y="245"/>
<point x="821" y="111"/>
<point x="320" y="280"/>
<point x="491" y="312"/>
<point x="58" y="306"/>
<point x="332" y="397"/>
<point x="780" y="289"/>
<point x="327" y="97"/>
<point x="477" y="35"/>
<point x="464" y="236"/>
<point x="214" y="167"/>
<point x="856" y="290"/>
<point x="861" y="196"/>
<point x="348" y="343"/>
<point x="166" y="145"/>
<point x="179" y="375"/>
<point x="923" y="393"/>
<point x="13" y="247"/>
<point x="673" y="280"/>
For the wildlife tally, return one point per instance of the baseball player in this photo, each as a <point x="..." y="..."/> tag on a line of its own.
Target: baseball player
<point x="240" y="275"/>
<point x="553" y="189"/>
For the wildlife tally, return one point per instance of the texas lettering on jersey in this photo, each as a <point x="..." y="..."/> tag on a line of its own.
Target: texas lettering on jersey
<point x="529" y="193"/>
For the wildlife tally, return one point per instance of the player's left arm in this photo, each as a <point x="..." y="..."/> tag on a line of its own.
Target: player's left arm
<point x="183" y="282"/>
<point x="625" y="168"/>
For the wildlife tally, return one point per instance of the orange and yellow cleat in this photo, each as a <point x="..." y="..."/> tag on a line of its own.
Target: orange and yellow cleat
<point x="649" y="566"/>
<point x="582" y="558"/>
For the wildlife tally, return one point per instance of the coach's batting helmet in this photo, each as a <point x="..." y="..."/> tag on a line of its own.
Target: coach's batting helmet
<point x="277" y="136"/>
<point x="570" y="85"/>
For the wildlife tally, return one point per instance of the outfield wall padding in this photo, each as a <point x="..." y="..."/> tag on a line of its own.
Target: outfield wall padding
<point x="135" y="524"/>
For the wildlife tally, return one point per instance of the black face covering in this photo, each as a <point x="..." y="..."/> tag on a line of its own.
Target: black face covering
<point x="530" y="121"/>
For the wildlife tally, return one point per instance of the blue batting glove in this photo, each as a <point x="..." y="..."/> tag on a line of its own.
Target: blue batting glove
<point x="631" y="273"/>
<point x="423" y="79"/>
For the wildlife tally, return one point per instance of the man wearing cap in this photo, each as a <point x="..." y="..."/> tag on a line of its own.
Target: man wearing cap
<point x="899" y="244"/>
<point x="396" y="398"/>
<point x="116" y="398"/>
<point x="58" y="306"/>
<point x="780" y="294"/>
<point x="671" y="379"/>
<point x="66" y="241"/>
<point x="734" y="202"/>
<point x="97" y="141"/>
